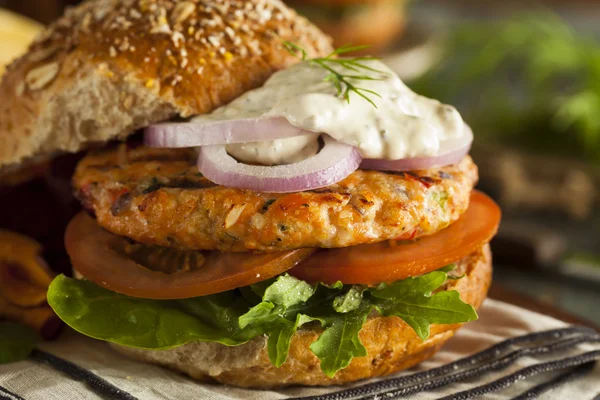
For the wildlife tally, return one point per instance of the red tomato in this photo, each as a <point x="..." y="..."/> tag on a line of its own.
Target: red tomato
<point x="390" y="261"/>
<point x="98" y="256"/>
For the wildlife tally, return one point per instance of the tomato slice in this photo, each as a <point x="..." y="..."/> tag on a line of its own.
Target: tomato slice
<point x="98" y="256"/>
<point x="390" y="261"/>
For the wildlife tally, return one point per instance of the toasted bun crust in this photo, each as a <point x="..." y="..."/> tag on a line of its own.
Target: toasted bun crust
<point x="391" y="344"/>
<point x="110" y="67"/>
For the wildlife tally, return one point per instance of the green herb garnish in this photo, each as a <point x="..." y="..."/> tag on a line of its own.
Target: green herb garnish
<point x="342" y="81"/>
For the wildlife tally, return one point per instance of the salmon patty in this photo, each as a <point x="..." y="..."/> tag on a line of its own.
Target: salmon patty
<point x="158" y="197"/>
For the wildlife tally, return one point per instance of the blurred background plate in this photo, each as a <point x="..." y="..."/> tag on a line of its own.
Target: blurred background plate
<point x="16" y="32"/>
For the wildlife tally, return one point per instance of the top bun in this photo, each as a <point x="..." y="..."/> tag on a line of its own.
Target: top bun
<point x="110" y="67"/>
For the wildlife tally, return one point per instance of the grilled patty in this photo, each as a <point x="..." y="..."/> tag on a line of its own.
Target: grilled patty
<point x="158" y="197"/>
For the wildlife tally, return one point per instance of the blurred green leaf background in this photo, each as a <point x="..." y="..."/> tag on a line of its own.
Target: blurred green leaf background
<point x="530" y="81"/>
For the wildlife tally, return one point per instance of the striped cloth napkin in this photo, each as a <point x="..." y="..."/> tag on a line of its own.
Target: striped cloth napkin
<point x="509" y="353"/>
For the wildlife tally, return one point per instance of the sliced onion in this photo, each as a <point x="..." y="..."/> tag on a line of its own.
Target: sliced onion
<point x="195" y="134"/>
<point x="333" y="163"/>
<point x="451" y="152"/>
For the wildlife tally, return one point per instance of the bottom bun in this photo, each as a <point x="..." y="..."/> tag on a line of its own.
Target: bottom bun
<point x="392" y="346"/>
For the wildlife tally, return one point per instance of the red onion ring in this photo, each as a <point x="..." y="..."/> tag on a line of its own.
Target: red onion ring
<point x="195" y="134"/>
<point x="333" y="163"/>
<point x="451" y="152"/>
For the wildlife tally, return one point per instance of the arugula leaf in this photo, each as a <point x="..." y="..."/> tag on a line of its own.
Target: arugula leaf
<point x="288" y="291"/>
<point x="349" y="301"/>
<point x="422" y="285"/>
<point x="421" y="311"/>
<point x="276" y="308"/>
<point x="339" y="343"/>
<point x="448" y="268"/>
<point x="280" y="338"/>
<point x="271" y="314"/>
<point x="16" y="342"/>
<point x="412" y="300"/>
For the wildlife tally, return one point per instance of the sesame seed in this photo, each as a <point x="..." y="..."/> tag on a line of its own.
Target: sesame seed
<point x="161" y="28"/>
<point x="177" y="38"/>
<point x="222" y="8"/>
<point x="214" y="40"/>
<point x="135" y="14"/>
<point x="182" y="11"/>
<point x="176" y="80"/>
<point x="230" y="32"/>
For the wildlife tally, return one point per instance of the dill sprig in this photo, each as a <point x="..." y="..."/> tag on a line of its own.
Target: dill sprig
<point x="340" y="80"/>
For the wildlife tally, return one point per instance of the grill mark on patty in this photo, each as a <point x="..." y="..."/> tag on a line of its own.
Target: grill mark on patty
<point x="121" y="203"/>
<point x="178" y="183"/>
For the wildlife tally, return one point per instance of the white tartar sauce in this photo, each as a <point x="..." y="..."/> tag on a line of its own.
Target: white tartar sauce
<point x="403" y="125"/>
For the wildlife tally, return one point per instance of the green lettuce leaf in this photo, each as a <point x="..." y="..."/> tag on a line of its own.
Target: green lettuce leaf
<point x="16" y="342"/>
<point x="144" y="323"/>
<point x="276" y="308"/>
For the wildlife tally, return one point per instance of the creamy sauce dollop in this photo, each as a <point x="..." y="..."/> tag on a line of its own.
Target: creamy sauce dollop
<point x="403" y="125"/>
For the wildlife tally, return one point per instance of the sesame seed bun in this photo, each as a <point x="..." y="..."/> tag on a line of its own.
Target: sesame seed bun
<point x="110" y="67"/>
<point x="391" y="345"/>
